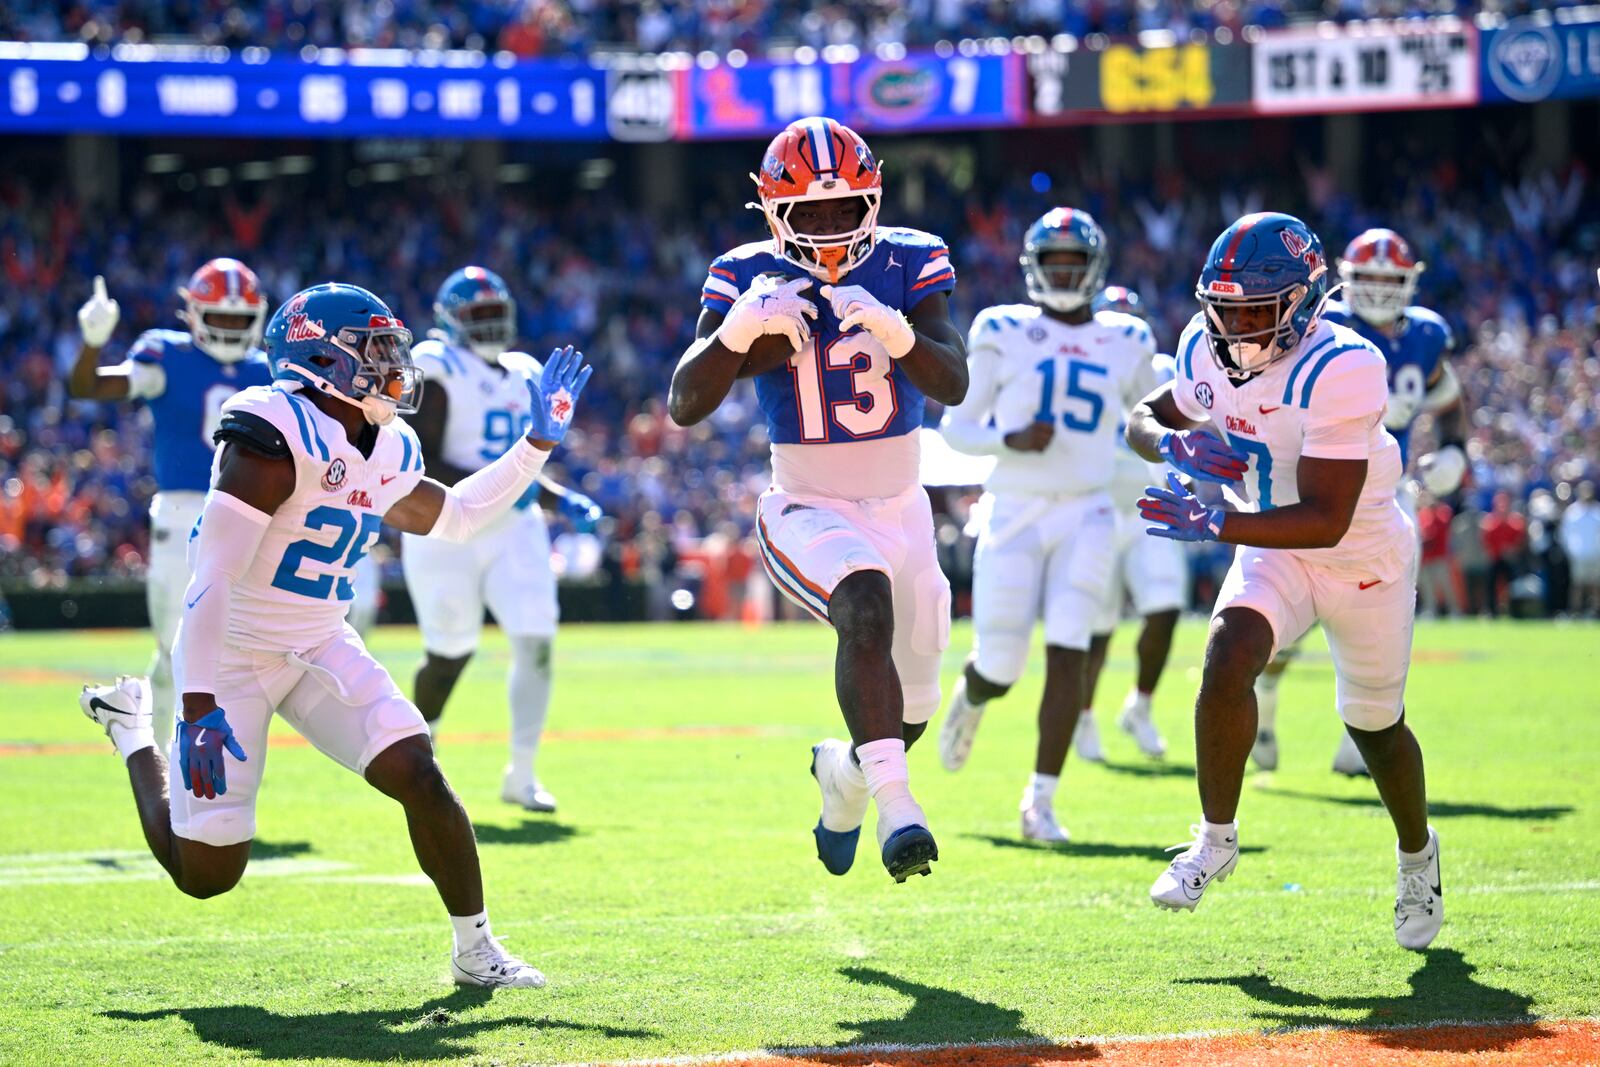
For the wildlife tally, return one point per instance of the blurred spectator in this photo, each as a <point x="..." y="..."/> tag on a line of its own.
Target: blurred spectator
<point x="1505" y="533"/>
<point x="1466" y="546"/>
<point x="1437" y="579"/>
<point x="1580" y="537"/>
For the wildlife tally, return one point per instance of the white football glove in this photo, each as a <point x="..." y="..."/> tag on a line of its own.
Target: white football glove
<point x="770" y="306"/>
<point x="857" y="307"/>
<point x="1443" y="471"/>
<point x="98" y="317"/>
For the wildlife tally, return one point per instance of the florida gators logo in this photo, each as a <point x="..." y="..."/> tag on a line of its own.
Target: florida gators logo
<point x="333" y="477"/>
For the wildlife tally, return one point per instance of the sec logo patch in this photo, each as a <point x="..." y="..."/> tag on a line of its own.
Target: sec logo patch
<point x="333" y="477"/>
<point x="1202" y="393"/>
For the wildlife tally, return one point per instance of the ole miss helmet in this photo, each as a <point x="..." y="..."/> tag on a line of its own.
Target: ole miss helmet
<point x="1380" y="275"/>
<point x="1064" y="286"/>
<point x="224" y="309"/>
<point x="474" y="309"/>
<point x="1121" y="298"/>
<point x="1263" y="286"/>
<point x="820" y="159"/>
<point x="344" y="342"/>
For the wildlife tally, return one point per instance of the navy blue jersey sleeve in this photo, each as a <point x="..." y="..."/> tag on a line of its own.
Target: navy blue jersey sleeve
<point x="151" y="347"/>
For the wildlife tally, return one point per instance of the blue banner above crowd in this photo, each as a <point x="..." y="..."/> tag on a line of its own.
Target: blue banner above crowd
<point x="1541" y="58"/>
<point x="64" y="88"/>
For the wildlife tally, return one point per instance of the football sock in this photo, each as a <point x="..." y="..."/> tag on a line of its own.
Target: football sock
<point x="1041" y="792"/>
<point x="130" y="740"/>
<point x="883" y="764"/>
<point x="470" y="929"/>
<point x="529" y="685"/>
<point x="1414" y="859"/>
<point x="1218" y="833"/>
<point x="1266" y="703"/>
<point x="959" y="694"/>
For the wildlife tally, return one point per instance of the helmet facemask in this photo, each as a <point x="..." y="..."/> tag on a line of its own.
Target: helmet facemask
<point x="1249" y="333"/>
<point x="486" y="326"/>
<point x="1378" y="293"/>
<point x="232" y="338"/>
<point x="385" y="382"/>
<point x="1063" y="287"/>
<point x="828" y="256"/>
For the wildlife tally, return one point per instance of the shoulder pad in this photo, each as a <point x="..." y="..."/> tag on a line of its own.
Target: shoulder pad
<point x="748" y="250"/>
<point x="1003" y="317"/>
<point x="906" y="237"/>
<point x="253" y="432"/>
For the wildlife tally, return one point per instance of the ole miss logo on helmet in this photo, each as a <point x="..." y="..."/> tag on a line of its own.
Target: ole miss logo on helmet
<point x="302" y="328"/>
<point x="1301" y="249"/>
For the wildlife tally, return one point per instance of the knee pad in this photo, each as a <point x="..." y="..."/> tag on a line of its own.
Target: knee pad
<point x="1001" y="658"/>
<point x="228" y="824"/>
<point x="1372" y="710"/>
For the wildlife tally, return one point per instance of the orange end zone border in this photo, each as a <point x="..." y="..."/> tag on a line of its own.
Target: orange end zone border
<point x="1574" y="1043"/>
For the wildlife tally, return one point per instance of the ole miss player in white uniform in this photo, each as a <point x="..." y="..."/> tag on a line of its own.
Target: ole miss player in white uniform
<point x="307" y="471"/>
<point x="1312" y="472"/>
<point x="1150" y="572"/>
<point x="1379" y="275"/>
<point x="183" y="377"/>
<point x="476" y="407"/>
<point x="1050" y="382"/>
<point x="846" y="327"/>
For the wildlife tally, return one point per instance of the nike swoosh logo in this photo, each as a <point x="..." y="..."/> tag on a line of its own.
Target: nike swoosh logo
<point x="479" y="925"/>
<point x="385" y="481"/>
<point x="1369" y="585"/>
<point x="96" y="704"/>
<point x="196" y="600"/>
<point x="1266" y="410"/>
<point x="1196" y="516"/>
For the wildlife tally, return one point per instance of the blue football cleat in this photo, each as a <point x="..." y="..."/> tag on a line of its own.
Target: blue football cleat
<point x="909" y="850"/>
<point x="842" y="801"/>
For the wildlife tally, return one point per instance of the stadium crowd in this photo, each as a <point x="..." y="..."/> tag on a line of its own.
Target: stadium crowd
<point x="1504" y="267"/>
<point x="575" y="27"/>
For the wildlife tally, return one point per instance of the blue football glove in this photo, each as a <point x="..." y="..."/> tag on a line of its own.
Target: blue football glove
<point x="1178" y="514"/>
<point x="1203" y="456"/>
<point x="555" y="394"/>
<point x="583" y="512"/>
<point x="200" y="748"/>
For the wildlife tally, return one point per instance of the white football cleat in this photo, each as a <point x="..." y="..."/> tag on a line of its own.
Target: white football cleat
<point x="1264" y="753"/>
<point x="1348" y="760"/>
<point x="1039" y="824"/>
<point x="960" y="727"/>
<point x="123" y="705"/>
<point x="487" y="963"/>
<point x="1135" y="721"/>
<point x="528" y="794"/>
<point x="1419" y="899"/>
<point x="1202" y="862"/>
<point x="1086" y="739"/>
<point x="844" y="804"/>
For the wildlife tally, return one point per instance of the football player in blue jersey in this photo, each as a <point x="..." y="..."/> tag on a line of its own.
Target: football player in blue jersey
<point x="183" y="376"/>
<point x="1380" y="275"/>
<point x="845" y="326"/>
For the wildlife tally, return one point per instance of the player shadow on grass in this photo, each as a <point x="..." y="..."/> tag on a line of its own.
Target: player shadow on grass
<point x="1150" y="769"/>
<point x="434" y="1030"/>
<point x="1085" y="849"/>
<point x="1442" y="989"/>
<point x="1442" y="809"/>
<point x="527" y="832"/>
<point x="939" y="1016"/>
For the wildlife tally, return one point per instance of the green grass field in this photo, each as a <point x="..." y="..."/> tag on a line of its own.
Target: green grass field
<point x="678" y="908"/>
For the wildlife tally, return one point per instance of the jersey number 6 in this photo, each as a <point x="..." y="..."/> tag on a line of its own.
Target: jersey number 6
<point x="873" y="405"/>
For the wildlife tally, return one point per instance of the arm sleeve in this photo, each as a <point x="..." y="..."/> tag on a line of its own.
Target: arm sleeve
<point x="967" y="425"/>
<point x="229" y="533"/>
<point x="481" y="497"/>
<point x="146" y="379"/>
